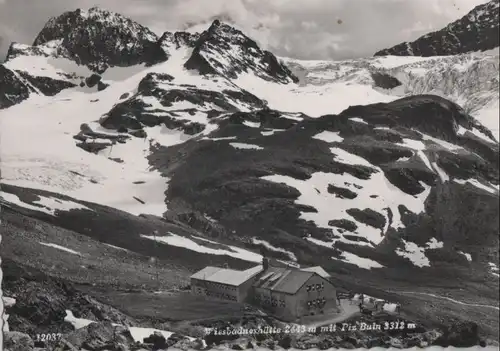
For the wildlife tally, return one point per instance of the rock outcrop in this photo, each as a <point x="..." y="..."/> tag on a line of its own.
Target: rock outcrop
<point x="476" y="31"/>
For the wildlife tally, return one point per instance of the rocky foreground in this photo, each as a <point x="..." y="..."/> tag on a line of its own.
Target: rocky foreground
<point x="105" y="336"/>
<point x="38" y="320"/>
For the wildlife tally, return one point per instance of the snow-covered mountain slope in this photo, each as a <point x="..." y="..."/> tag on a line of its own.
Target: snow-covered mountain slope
<point x="476" y="31"/>
<point x="470" y="80"/>
<point x="336" y="163"/>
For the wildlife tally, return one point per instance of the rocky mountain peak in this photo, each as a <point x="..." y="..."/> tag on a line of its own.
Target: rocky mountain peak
<point x="62" y="26"/>
<point x="100" y="39"/>
<point x="476" y="31"/>
<point x="225" y="50"/>
<point x="178" y="39"/>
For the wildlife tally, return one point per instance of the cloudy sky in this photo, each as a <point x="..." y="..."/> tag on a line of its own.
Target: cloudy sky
<point x="307" y="29"/>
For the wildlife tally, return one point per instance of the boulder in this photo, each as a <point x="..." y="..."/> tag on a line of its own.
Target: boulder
<point x="93" y="80"/>
<point x="157" y="340"/>
<point x="460" y="334"/>
<point x="16" y="341"/>
<point x="101" y="86"/>
<point x="95" y="336"/>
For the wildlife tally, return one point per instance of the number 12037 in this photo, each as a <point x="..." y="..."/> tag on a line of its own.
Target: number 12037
<point x="48" y="337"/>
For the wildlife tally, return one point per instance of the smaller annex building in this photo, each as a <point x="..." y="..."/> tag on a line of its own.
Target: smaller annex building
<point x="288" y="293"/>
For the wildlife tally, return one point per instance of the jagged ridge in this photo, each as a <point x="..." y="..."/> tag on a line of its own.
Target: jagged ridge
<point x="101" y="38"/>
<point x="225" y="50"/>
<point x="476" y="31"/>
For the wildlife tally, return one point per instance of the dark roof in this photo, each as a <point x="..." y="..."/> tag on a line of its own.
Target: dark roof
<point x="283" y="280"/>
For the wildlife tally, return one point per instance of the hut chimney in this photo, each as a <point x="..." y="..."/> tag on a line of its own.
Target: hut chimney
<point x="265" y="263"/>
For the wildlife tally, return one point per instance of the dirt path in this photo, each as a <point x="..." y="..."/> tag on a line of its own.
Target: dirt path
<point x="349" y="310"/>
<point x="445" y="298"/>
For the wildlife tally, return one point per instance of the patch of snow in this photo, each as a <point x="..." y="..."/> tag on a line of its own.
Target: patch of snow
<point x="320" y="242"/>
<point x="246" y="146"/>
<point x="467" y="255"/>
<point x="293" y="116"/>
<point x="403" y="159"/>
<point x="8" y="301"/>
<point x="493" y="266"/>
<point x="449" y="146"/>
<point x="221" y="138"/>
<point x="493" y="269"/>
<point x="53" y="204"/>
<point x="138" y="333"/>
<point x="117" y="248"/>
<point x="477" y="184"/>
<point x="480" y="135"/>
<point x="77" y="323"/>
<point x="5" y="327"/>
<point x="271" y="132"/>
<point x="189" y="244"/>
<point x="329" y="137"/>
<point x="425" y="159"/>
<point x="462" y="131"/>
<point x="47" y="204"/>
<point x="441" y="173"/>
<point x="412" y="144"/>
<point x="361" y="262"/>
<point x="274" y="248"/>
<point x="434" y="244"/>
<point x="419" y="146"/>
<point x="251" y="124"/>
<point x="414" y="253"/>
<point x="329" y="244"/>
<point x="166" y="137"/>
<point x="359" y="120"/>
<point x="340" y="155"/>
<point x="59" y="247"/>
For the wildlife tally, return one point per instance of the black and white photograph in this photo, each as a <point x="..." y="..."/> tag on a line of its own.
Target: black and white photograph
<point x="249" y="175"/>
